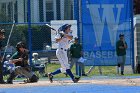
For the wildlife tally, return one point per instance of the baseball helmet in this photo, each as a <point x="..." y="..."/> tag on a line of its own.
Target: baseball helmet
<point x="64" y="27"/>
<point x="20" y="45"/>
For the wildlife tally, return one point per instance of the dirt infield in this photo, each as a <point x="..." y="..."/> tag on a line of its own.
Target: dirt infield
<point x="121" y="82"/>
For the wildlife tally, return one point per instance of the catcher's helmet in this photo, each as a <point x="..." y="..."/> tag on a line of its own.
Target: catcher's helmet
<point x="64" y="27"/>
<point x="20" y="45"/>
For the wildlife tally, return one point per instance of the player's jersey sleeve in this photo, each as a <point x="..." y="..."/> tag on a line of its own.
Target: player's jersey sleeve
<point x="70" y="34"/>
<point x="57" y="36"/>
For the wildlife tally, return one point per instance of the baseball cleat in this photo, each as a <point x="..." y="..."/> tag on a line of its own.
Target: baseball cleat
<point x="50" y="77"/>
<point x="27" y="81"/>
<point x="84" y="74"/>
<point x="2" y="82"/>
<point x="76" y="79"/>
<point x="9" y="82"/>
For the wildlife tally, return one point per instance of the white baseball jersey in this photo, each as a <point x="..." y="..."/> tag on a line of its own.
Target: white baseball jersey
<point x="61" y="53"/>
<point x="64" y="43"/>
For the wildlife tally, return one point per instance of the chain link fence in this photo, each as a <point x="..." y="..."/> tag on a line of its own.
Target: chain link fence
<point x="29" y="18"/>
<point x="40" y="12"/>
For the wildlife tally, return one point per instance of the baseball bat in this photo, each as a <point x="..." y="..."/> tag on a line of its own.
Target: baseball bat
<point x="50" y="27"/>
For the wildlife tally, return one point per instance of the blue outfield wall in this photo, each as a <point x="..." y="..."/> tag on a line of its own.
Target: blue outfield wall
<point x="102" y="22"/>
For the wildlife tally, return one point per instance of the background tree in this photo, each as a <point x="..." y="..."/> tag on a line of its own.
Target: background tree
<point x="136" y="7"/>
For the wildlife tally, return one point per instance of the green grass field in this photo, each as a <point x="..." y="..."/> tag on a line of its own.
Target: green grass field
<point x="106" y="71"/>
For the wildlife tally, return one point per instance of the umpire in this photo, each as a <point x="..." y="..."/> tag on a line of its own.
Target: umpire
<point x="1" y="63"/>
<point x="20" y="59"/>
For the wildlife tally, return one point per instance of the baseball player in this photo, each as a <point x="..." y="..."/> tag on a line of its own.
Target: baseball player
<point x="1" y="63"/>
<point x="121" y="47"/>
<point x="63" y="38"/>
<point x="20" y="59"/>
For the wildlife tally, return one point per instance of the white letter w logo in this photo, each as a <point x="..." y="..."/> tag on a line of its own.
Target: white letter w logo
<point x="108" y="17"/>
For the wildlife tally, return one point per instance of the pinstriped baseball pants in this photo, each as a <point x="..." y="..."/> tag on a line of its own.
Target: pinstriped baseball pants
<point x="63" y="59"/>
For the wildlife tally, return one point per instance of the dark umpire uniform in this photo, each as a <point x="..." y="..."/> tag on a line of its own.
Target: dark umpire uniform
<point x="20" y="59"/>
<point x="1" y="63"/>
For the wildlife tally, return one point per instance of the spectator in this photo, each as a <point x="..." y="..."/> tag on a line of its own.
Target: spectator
<point x="121" y="47"/>
<point x="37" y="65"/>
<point x="76" y="53"/>
<point x="9" y="49"/>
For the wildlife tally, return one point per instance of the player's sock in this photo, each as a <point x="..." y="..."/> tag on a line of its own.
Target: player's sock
<point x="56" y="72"/>
<point x="70" y="74"/>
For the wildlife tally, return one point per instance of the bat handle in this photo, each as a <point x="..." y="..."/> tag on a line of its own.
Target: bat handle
<point x="53" y="29"/>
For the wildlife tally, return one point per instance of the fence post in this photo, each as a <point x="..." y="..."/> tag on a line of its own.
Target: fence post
<point x="132" y="30"/>
<point x="29" y="32"/>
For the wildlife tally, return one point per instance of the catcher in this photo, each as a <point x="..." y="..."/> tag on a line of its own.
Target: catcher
<point x="20" y="59"/>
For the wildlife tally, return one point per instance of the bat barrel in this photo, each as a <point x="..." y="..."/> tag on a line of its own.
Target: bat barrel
<point x="50" y="27"/>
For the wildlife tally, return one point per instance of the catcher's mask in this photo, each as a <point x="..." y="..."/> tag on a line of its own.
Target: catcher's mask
<point x="20" y="45"/>
<point x="64" y="27"/>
